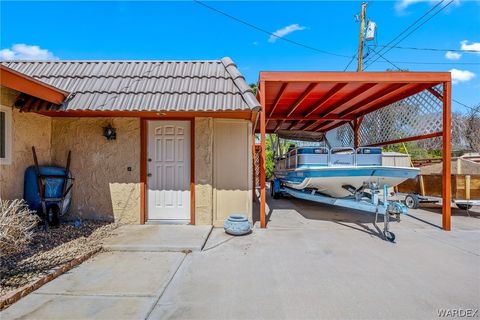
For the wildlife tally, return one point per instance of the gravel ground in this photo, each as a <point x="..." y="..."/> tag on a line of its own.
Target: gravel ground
<point x="48" y="250"/>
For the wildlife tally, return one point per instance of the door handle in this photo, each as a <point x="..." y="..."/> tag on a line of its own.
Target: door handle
<point x="149" y="175"/>
<point x="149" y="160"/>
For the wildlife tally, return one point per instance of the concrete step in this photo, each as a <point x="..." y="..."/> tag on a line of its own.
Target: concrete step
<point x="158" y="238"/>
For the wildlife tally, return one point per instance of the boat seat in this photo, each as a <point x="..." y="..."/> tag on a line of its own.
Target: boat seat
<point x="369" y="157"/>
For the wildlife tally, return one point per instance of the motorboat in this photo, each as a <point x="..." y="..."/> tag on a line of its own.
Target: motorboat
<point x="337" y="172"/>
<point x="339" y="176"/>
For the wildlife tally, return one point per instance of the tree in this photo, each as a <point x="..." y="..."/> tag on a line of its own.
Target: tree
<point x="472" y="128"/>
<point x="254" y="88"/>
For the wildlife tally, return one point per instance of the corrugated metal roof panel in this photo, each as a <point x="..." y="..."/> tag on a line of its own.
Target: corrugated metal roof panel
<point x="211" y="85"/>
<point x="155" y="102"/>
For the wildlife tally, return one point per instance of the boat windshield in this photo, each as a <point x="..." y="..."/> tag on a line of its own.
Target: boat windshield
<point x="315" y="156"/>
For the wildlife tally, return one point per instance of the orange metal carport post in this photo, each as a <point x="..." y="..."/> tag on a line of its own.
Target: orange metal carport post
<point x="262" y="162"/>
<point x="447" y="157"/>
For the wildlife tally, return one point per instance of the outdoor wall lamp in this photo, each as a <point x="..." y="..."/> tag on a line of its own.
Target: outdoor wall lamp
<point x="110" y="132"/>
<point x="20" y="103"/>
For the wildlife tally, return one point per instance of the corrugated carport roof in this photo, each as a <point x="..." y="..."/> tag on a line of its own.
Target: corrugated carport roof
<point x="321" y="101"/>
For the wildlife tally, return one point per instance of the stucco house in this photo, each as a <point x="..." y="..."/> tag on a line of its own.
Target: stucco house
<point x="184" y="136"/>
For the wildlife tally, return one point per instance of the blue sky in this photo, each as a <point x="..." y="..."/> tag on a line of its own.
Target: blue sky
<point x="187" y="30"/>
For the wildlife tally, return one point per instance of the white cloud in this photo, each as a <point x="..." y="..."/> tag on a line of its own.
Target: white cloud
<point x="453" y="55"/>
<point x="21" y="51"/>
<point x="461" y="75"/>
<point x="465" y="45"/>
<point x="280" y="33"/>
<point x="402" y="5"/>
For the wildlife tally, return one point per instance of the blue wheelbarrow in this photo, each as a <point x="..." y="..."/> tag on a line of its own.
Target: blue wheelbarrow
<point x="47" y="190"/>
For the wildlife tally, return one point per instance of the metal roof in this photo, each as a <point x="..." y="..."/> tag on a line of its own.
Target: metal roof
<point x="207" y="85"/>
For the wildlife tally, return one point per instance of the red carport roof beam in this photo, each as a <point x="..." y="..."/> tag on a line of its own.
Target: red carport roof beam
<point x="320" y="103"/>
<point x="392" y="98"/>
<point x="361" y="90"/>
<point x="297" y="103"/>
<point x="356" y="77"/>
<point x="327" y="96"/>
<point x="277" y="99"/>
<point x="348" y="97"/>
<point x="373" y="98"/>
<point x="302" y="98"/>
<point x="435" y="93"/>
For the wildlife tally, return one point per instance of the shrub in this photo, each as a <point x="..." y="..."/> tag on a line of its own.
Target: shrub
<point x="16" y="225"/>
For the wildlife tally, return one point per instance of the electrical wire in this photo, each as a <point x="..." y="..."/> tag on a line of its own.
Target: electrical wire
<point x="369" y="63"/>
<point x="381" y="55"/>
<point x="466" y="106"/>
<point x="268" y="32"/>
<point x="428" y="49"/>
<point x="377" y="53"/>
<point x="414" y="23"/>
<point x="349" y="63"/>
<point x="445" y="63"/>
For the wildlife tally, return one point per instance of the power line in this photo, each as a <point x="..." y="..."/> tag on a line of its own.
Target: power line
<point x="415" y="29"/>
<point x="377" y="53"/>
<point x="393" y="62"/>
<point x="394" y="65"/>
<point x="427" y="49"/>
<point x="440" y="63"/>
<point x="411" y="25"/>
<point x="268" y="32"/>
<point x="350" y="62"/>
<point x="404" y="37"/>
<point x="466" y="106"/>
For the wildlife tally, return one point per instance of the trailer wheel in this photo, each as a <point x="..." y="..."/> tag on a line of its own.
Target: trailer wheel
<point x="390" y="236"/>
<point x="463" y="206"/>
<point x="412" y="201"/>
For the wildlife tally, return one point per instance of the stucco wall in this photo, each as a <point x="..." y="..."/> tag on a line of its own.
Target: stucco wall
<point x="104" y="188"/>
<point x="28" y="129"/>
<point x="223" y="169"/>
<point x="232" y="169"/>
<point x="203" y="171"/>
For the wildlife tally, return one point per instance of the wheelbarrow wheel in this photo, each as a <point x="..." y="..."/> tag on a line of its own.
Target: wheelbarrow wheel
<point x="53" y="216"/>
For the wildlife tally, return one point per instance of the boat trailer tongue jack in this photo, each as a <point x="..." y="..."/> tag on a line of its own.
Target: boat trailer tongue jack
<point x="365" y="198"/>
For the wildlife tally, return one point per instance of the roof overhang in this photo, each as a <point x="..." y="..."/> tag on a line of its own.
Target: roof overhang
<point x="322" y="101"/>
<point x="22" y="83"/>
<point x="151" y="115"/>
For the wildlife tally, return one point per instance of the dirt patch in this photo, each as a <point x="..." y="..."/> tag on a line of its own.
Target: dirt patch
<point x="51" y="249"/>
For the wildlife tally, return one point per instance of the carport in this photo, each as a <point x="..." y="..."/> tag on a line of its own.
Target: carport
<point x="323" y="101"/>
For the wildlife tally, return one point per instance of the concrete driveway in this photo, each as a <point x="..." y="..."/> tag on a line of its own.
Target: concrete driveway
<point x="312" y="262"/>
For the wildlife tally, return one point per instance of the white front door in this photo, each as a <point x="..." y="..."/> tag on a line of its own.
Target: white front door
<point x="168" y="170"/>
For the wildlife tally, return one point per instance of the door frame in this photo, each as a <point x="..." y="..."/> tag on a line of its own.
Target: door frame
<point x="143" y="164"/>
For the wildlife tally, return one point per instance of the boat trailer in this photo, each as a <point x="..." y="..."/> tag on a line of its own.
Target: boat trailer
<point x="365" y="198"/>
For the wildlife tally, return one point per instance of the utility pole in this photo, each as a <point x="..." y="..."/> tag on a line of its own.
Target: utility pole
<point x="362" y="32"/>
